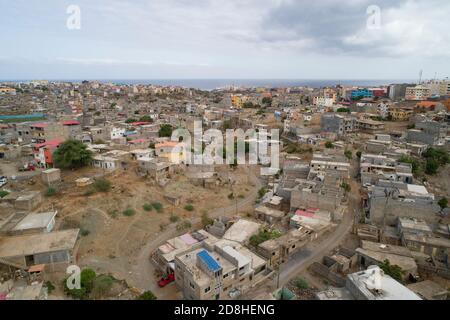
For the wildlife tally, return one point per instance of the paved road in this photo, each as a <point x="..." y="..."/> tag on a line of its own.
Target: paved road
<point x="314" y="252"/>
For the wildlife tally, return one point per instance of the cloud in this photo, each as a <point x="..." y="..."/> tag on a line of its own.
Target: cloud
<point x="408" y="27"/>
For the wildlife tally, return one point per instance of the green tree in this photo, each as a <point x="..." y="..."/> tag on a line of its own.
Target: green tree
<point x="343" y="110"/>
<point x="431" y="166"/>
<point x="346" y="187"/>
<point x="131" y="120"/>
<point x="165" y="131"/>
<point x="348" y="154"/>
<point x="146" y="118"/>
<point x="329" y="145"/>
<point x="72" y="154"/>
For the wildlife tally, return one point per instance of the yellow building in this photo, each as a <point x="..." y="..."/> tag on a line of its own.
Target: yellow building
<point x="238" y="100"/>
<point x="398" y="114"/>
<point x="4" y="90"/>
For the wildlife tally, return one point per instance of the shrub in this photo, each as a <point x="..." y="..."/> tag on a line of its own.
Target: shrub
<point x="174" y="218"/>
<point x="206" y="220"/>
<point x="348" y="154"/>
<point x="147" y="295"/>
<point x="165" y="131"/>
<point x="87" y="277"/>
<point x="443" y="203"/>
<point x="50" y="287"/>
<point x="50" y="192"/>
<point x="392" y="270"/>
<point x="186" y="224"/>
<point x="189" y="207"/>
<point x="84" y="232"/>
<point x="147" y="207"/>
<point x="346" y="187"/>
<point x="431" y="166"/>
<point x="263" y="236"/>
<point x="3" y="193"/>
<point x="89" y="192"/>
<point x="158" y="207"/>
<point x="262" y="192"/>
<point x="301" y="284"/>
<point x="129" y="212"/>
<point x="231" y="196"/>
<point x="101" y="285"/>
<point x="102" y="185"/>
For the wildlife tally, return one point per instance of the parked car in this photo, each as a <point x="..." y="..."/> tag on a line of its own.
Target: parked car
<point x="3" y="181"/>
<point x="27" y="167"/>
<point x="164" y="281"/>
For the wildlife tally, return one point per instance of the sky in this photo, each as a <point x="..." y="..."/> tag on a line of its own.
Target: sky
<point x="233" y="39"/>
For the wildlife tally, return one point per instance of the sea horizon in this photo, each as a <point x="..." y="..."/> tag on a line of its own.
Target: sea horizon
<point x="211" y="84"/>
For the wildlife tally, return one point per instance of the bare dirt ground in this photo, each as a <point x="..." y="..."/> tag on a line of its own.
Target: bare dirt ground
<point x="120" y="245"/>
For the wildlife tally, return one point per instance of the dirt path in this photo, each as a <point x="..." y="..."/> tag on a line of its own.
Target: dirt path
<point x="142" y="273"/>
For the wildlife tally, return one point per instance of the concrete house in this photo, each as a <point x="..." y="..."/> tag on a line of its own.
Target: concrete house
<point x="54" y="249"/>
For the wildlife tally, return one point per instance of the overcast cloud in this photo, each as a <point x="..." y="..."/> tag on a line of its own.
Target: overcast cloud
<point x="224" y="39"/>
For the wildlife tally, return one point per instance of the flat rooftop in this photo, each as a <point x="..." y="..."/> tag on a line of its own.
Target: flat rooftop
<point x="38" y="243"/>
<point x="242" y="230"/>
<point x="35" y="221"/>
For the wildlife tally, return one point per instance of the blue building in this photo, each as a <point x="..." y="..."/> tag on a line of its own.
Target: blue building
<point x="361" y="93"/>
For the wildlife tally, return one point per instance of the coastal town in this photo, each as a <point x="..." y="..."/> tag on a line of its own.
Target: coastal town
<point x="356" y="210"/>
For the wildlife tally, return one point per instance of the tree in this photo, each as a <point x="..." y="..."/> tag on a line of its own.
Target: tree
<point x="431" y="166"/>
<point x="393" y="271"/>
<point x="267" y="101"/>
<point x="416" y="167"/>
<point x="348" y="154"/>
<point x="72" y="154"/>
<point x="146" y="118"/>
<point x="443" y="203"/>
<point x="131" y="120"/>
<point x="165" y="131"/>
<point x="343" y="110"/>
<point x="329" y="145"/>
<point x="346" y="187"/>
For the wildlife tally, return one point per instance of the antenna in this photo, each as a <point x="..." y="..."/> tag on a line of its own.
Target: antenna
<point x="420" y="76"/>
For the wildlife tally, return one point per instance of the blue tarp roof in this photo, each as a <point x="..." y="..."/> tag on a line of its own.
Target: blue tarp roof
<point x="209" y="261"/>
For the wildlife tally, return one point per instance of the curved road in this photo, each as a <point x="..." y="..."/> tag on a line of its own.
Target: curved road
<point x="141" y="274"/>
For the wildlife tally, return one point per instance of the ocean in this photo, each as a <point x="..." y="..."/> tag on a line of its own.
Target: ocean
<point x="211" y="84"/>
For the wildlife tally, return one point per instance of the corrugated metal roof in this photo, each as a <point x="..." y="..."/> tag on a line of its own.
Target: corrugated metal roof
<point x="209" y="261"/>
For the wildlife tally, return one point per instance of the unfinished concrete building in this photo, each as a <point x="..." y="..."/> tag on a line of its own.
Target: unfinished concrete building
<point x="389" y="200"/>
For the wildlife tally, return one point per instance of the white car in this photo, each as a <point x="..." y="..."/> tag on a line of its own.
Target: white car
<point x="3" y="181"/>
